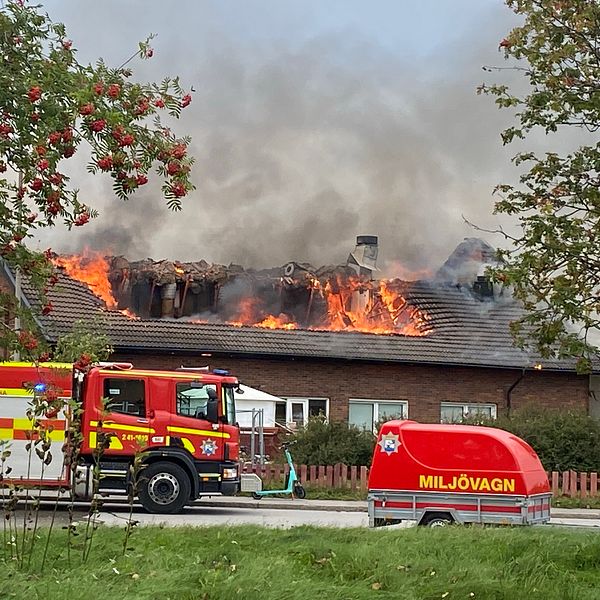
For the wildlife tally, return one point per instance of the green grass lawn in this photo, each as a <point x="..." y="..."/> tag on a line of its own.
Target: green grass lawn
<point x="311" y="563"/>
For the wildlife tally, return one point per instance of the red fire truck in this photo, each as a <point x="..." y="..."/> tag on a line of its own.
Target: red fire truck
<point x="441" y="474"/>
<point x="181" y="423"/>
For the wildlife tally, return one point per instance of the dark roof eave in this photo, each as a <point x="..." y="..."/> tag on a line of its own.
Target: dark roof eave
<point x="282" y="357"/>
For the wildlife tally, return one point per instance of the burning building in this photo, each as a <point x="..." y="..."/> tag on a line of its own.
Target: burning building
<point x="336" y="339"/>
<point x="294" y="296"/>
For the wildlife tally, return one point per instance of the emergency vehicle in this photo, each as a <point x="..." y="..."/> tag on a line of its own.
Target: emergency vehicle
<point x="180" y="423"/>
<point x="441" y="474"/>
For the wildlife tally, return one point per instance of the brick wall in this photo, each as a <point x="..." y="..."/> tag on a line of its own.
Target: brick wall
<point x="423" y="386"/>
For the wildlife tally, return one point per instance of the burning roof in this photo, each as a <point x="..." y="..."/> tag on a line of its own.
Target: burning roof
<point x="294" y="296"/>
<point x="456" y="326"/>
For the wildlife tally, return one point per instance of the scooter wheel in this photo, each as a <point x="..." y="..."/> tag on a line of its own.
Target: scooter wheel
<point x="299" y="492"/>
<point x="256" y="496"/>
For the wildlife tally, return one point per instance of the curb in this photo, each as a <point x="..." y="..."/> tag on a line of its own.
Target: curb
<point x="575" y="513"/>
<point x="284" y="505"/>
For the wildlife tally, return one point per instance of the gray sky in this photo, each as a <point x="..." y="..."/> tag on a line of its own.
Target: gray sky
<point x="312" y="122"/>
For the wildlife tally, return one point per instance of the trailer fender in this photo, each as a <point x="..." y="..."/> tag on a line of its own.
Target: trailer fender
<point x="179" y="456"/>
<point x="431" y="511"/>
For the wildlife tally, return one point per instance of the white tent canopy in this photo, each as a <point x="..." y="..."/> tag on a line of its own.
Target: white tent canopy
<point x="257" y="399"/>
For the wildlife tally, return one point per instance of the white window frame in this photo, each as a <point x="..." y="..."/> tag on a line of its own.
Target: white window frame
<point x="466" y="405"/>
<point x="289" y="400"/>
<point x="376" y="402"/>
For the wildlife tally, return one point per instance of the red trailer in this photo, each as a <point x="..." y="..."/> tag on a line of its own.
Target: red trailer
<point x="441" y="474"/>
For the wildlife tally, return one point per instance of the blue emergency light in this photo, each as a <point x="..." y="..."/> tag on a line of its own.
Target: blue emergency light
<point x="39" y="388"/>
<point x="221" y="372"/>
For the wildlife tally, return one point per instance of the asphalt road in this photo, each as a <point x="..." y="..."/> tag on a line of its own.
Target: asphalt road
<point x="270" y="517"/>
<point x="255" y="514"/>
<point x="267" y="517"/>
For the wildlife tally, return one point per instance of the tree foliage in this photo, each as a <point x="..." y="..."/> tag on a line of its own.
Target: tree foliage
<point x="50" y="104"/>
<point x="87" y="341"/>
<point x="554" y="263"/>
<point x="563" y="440"/>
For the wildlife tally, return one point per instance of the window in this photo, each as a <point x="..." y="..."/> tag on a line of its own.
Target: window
<point x="230" y="405"/>
<point x="280" y="412"/>
<point x="299" y="410"/>
<point x="367" y="413"/>
<point x="316" y="407"/>
<point x="126" y="396"/>
<point x="454" y="412"/>
<point x="192" y="399"/>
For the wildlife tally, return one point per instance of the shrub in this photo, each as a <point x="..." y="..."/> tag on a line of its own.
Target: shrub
<point x="327" y="443"/>
<point x="563" y="440"/>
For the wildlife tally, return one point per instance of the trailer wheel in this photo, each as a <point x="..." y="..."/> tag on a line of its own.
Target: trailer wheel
<point x="299" y="492"/>
<point x="256" y="496"/>
<point x="164" y="487"/>
<point x="437" y="519"/>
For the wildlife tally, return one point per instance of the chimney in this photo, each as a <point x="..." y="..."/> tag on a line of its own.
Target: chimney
<point x="167" y="294"/>
<point x="364" y="258"/>
<point x="364" y="262"/>
<point x="483" y="288"/>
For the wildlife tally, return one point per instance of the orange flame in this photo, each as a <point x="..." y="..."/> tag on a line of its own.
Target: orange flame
<point x="92" y="269"/>
<point x="351" y="304"/>
<point x="246" y="311"/>
<point x="280" y="322"/>
<point x="370" y="307"/>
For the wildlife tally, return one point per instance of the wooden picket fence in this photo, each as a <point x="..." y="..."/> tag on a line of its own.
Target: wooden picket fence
<point x="567" y="483"/>
<point x="571" y="483"/>
<point x="330" y="476"/>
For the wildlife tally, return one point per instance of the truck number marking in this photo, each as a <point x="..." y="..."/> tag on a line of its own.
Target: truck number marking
<point x="133" y="437"/>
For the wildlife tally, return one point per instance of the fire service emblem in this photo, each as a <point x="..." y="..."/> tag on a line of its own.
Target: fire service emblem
<point x="209" y="447"/>
<point x="389" y="443"/>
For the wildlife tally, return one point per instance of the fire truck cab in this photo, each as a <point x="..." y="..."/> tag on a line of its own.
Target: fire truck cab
<point x="441" y="474"/>
<point x="172" y="435"/>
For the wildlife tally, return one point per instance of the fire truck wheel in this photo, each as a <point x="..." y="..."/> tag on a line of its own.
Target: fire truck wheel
<point x="164" y="488"/>
<point x="299" y="492"/>
<point x="437" y="519"/>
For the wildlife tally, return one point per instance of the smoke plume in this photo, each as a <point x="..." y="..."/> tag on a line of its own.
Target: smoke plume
<point x="302" y="142"/>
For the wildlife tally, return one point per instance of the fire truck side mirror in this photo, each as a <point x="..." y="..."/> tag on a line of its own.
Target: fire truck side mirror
<point x="212" y="410"/>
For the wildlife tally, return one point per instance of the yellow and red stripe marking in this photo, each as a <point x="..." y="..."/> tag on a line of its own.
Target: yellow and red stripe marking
<point x="22" y="429"/>
<point x="190" y="431"/>
<point x="121" y="427"/>
<point x="15" y="392"/>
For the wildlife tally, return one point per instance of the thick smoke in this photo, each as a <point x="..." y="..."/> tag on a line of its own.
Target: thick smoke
<point x="302" y="142"/>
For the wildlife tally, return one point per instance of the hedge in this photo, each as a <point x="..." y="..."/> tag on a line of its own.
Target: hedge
<point x="564" y="441"/>
<point x="327" y="443"/>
